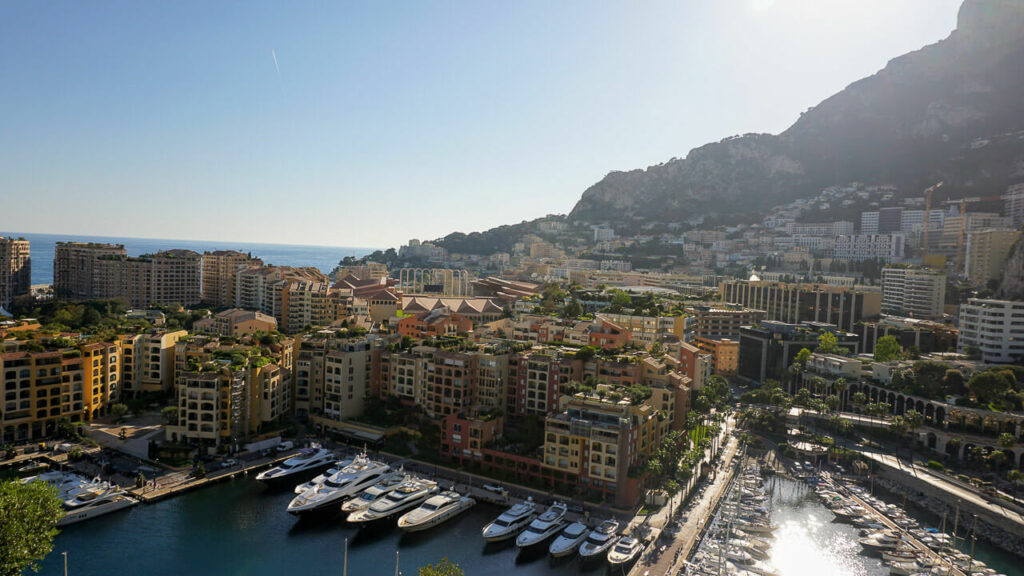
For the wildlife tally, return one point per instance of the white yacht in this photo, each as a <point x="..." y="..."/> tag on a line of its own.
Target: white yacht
<point x="884" y="540"/>
<point x="544" y="526"/>
<point x="307" y="460"/>
<point x="625" y="551"/>
<point x="569" y="540"/>
<point x="410" y="494"/>
<point x="436" y="510"/>
<point x="345" y="483"/>
<point x="319" y="479"/>
<point x="66" y="483"/>
<point x="510" y="522"/>
<point x="382" y="488"/>
<point x="95" y="499"/>
<point x="600" y="540"/>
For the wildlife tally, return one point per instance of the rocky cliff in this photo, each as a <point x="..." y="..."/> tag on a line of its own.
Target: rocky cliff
<point x="917" y="121"/>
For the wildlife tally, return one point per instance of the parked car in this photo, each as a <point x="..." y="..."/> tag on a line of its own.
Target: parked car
<point x="285" y="446"/>
<point x="228" y="463"/>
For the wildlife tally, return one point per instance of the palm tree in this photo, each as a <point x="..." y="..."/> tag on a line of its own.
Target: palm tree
<point x="1016" y="477"/>
<point x="841" y="387"/>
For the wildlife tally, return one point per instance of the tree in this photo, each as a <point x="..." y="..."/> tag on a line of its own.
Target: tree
<point x="118" y="411"/>
<point x="28" y="523"/>
<point x="443" y="568"/>
<point x="1006" y="441"/>
<point x="573" y="309"/>
<point x="887" y="349"/>
<point x="170" y="414"/>
<point x="987" y="386"/>
<point x="827" y="343"/>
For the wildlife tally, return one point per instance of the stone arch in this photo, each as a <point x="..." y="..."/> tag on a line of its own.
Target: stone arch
<point x="899" y="407"/>
<point x="919" y="407"/>
<point x="929" y="413"/>
<point x="891" y="400"/>
<point x="932" y="440"/>
<point x="940" y="415"/>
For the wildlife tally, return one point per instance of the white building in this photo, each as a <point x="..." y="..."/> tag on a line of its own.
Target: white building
<point x="1014" y="209"/>
<point x="913" y="292"/>
<point x="995" y="328"/>
<point x="856" y="247"/>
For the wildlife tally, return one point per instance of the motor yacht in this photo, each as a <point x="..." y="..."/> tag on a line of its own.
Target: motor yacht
<point x="308" y="460"/>
<point x="510" y="522"/>
<point x="345" y="483"/>
<point x="600" y="540"/>
<point x="436" y="510"/>
<point x="319" y="479"/>
<point x="410" y="494"/>
<point x="625" y="551"/>
<point x="569" y="540"/>
<point x="878" y="541"/>
<point x="544" y="526"/>
<point x="95" y="500"/>
<point x="66" y="483"/>
<point x="382" y="488"/>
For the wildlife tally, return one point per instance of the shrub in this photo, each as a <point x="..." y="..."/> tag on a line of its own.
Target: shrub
<point x="936" y="465"/>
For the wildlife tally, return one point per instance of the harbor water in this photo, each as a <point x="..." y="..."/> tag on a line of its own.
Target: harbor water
<point x="240" y="527"/>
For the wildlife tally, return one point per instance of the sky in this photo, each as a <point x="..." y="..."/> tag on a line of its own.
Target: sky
<point x="370" y="123"/>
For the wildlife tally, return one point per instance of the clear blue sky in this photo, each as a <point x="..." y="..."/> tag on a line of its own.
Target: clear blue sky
<point x="395" y="120"/>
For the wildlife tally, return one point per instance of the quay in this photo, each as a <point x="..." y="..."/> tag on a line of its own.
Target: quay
<point x="179" y="482"/>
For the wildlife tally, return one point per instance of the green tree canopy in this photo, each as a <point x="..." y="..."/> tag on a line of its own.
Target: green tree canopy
<point x="827" y="343"/>
<point x="443" y="568"/>
<point x="987" y="386"/>
<point x="28" y="524"/>
<point x="887" y="349"/>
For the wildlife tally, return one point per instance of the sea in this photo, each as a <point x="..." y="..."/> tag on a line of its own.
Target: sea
<point x="324" y="258"/>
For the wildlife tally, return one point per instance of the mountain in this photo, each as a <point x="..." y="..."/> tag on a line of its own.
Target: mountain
<point x="951" y="111"/>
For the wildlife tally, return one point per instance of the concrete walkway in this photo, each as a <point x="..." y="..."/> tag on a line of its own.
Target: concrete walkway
<point x="658" y="562"/>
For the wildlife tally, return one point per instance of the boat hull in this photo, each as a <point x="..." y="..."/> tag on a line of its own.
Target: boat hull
<point x="75" y="516"/>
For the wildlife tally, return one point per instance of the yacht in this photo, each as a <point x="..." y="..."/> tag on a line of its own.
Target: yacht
<point x="436" y="510"/>
<point x="382" y="488"/>
<point x="95" y="500"/>
<point x="544" y="526"/>
<point x="345" y="483"/>
<point x="625" y="551"/>
<point x="884" y="540"/>
<point x="410" y="494"/>
<point x="67" y="484"/>
<point x="569" y="540"/>
<point x="319" y="479"/>
<point x="510" y="522"/>
<point x="306" y="461"/>
<point x="600" y="540"/>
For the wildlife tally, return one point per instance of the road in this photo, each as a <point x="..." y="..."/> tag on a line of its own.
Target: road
<point x="962" y="493"/>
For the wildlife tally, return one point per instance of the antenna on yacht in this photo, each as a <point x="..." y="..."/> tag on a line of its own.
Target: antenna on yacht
<point x="397" y="573"/>
<point x="344" y="564"/>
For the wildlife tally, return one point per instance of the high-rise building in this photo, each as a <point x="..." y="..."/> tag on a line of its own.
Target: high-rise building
<point x="913" y="292"/>
<point x="858" y="247"/>
<point x="1014" y="205"/>
<point x="219" y="268"/>
<point x="15" y="270"/>
<point x="83" y="271"/>
<point x="722" y="320"/>
<point x="994" y="329"/>
<point x="75" y="274"/>
<point x="148" y="363"/>
<point x="986" y="253"/>
<point x="784" y="302"/>
<point x="890" y="220"/>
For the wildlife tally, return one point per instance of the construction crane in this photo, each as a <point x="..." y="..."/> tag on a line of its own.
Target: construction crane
<point x="928" y="217"/>
<point x="963" y="202"/>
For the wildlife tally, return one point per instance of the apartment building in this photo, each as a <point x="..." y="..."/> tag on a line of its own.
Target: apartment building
<point x="15" y="270"/>
<point x="333" y="376"/>
<point x="914" y="292"/>
<point x="858" y="247"/>
<point x="724" y="353"/>
<point x="994" y="329"/>
<point x="694" y="364"/>
<point x="212" y="406"/>
<point x="538" y="377"/>
<point x="925" y="335"/>
<point x="950" y="240"/>
<point x="594" y="441"/>
<point x="235" y="322"/>
<point x="148" y="361"/>
<point x="784" y="302"/>
<point x="821" y="228"/>
<point x="77" y="383"/>
<point x="986" y="253"/>
<point x="437" y="323"/>
<point x="720" y="321"/>
<point x="295" y="297"/>
<point x="74" y="269"/>
<point x="219" y="271"/>
<point x="1013" y="202"/>
<point x="647" y="330"/>
<point x="85" y="271"/>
